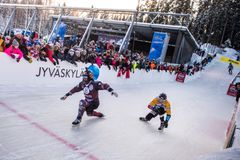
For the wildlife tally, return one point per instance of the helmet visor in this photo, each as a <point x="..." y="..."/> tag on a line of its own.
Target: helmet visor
<point x="85" y="76"/>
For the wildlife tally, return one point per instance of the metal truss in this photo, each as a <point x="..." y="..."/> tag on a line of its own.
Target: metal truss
<point x="108" y="14"/>
<point x="129" y="17"/>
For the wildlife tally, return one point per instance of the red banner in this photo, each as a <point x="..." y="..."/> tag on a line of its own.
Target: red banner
<point x="232" y="90"/>
<point x="181" y="77"/>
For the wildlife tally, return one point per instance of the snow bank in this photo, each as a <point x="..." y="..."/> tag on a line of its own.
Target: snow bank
<point x="230" y="53"/>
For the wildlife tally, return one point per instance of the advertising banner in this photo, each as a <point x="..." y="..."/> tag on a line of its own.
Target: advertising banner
<point x="159" y="46"/>
<point x="60" y="30"/>
<point x="232" y="90"/>
<point x="181" y="77"/>
<point x="38" y="72"/>
<point x="228" y="60"/>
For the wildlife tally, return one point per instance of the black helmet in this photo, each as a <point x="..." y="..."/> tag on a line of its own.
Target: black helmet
<point x="163" y="96"/>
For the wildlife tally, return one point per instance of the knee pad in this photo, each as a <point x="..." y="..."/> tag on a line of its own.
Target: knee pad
<point x="82" y="103"/>
<point x="82" y="106"/>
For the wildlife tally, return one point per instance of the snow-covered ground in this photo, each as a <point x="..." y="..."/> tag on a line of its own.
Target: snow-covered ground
<point x="36" y="125"/>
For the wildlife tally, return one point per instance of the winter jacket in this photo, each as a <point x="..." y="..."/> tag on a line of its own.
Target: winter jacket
<point x="49" y="53"/>
<point x="98" y="61"/>
<point x="11" y="50"/>
<point x="1" y="44"/>
<point x="90" y="89"/>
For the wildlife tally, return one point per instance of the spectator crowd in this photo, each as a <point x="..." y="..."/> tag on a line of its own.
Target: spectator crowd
<point x="18" y="46"/>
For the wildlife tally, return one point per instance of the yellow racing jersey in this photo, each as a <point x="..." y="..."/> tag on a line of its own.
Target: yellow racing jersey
<point x="165" y="104"/>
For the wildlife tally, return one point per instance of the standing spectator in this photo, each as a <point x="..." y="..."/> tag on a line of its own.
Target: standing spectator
<point x="35" y="50"/>
<point x="237" y="86"/>
<point x="181" y="68"/>
<point x="230" y="68"/>
<point x="70" y="57"/>
<point x="238" y="58"/>
<point x="99" y="61"/>
<point x="1" y="43"/>
<point x="170" y="69"/>
<point x="48" y="52"/>
<point x="108" y="60"/>
<point x="7" y="43"/>
<point x="134" y="66"/>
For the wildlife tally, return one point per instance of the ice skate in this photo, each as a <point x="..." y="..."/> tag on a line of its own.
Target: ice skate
<point x="161" y="126"/>
<point x="142" y="119"/>
<point x="76" y="122"/>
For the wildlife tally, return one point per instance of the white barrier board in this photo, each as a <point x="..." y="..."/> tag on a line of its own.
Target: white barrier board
<point x="37" y="72"/>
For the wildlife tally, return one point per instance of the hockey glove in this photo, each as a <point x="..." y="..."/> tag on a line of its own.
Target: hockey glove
<point x="18" y="59"/>
<point x="114" y="94"/>
<point x="13" y="56"/>
<point x="65" y="96"/>
<point x="155" y="109"/>
<point x="30" y="60"/>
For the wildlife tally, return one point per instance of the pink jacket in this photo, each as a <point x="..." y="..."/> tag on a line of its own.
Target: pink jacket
<point x="11" y="50"/>
<point x="99" y="61"/>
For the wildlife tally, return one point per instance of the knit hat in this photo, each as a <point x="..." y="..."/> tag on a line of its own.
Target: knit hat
<point x="71" y="52"/>
<point x="15" y="43"/>
<point x="37" y="42"/>
<point x="29" y="44"/>
<point x="58" y="44"/>
<point x="7" y="39"/>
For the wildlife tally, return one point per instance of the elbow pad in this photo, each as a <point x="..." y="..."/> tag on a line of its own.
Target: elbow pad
<point x="69" y="94"/>
<point x="150" y="107"/>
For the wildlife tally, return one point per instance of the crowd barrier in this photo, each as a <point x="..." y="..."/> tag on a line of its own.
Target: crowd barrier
<point x="231" y="136"/>
<point x="42" y="73"/>
<point x="229" y="60"/>
<point x="233" y="130"/>
<point x="232" y="89"/>
<point x="37" y="72"/>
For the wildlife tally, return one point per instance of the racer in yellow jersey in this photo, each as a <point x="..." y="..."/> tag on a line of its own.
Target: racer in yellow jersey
<point x="159" y="106"/>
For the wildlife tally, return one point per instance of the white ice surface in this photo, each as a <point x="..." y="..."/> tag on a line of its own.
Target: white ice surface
<point x="227" y="154"/>
<point x="36" y="125"/>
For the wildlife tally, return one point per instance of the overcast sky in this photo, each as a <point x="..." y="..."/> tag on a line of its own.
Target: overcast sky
<point x="115" y="4"/>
